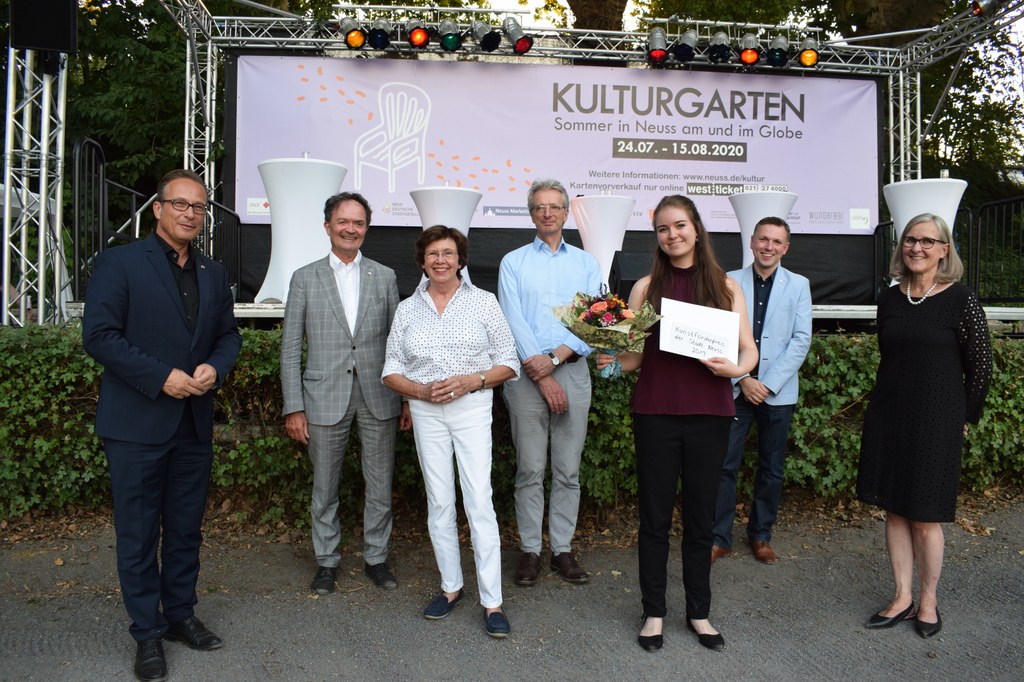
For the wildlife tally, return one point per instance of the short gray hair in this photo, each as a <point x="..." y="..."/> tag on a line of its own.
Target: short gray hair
<point x="546" y="183"/>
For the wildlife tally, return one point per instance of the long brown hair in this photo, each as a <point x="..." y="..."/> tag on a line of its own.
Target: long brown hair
<point x="710" y="288"/>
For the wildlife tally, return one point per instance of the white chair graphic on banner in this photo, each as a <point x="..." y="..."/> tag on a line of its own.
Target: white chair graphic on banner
<point x="400" y="139"/>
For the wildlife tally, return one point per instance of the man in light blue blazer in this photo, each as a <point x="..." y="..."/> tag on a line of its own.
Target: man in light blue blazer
<point x="779" y="307"/>
<point x="342" y="305"/>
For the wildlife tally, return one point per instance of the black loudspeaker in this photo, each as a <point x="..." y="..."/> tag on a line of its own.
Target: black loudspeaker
<point x="627" y="268"/>
<point x="49" y="25"/>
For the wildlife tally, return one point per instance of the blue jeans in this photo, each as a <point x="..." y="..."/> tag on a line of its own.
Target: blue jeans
<point x="772" y="434"/>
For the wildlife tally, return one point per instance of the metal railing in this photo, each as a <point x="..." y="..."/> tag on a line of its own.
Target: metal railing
<point x="95" y="197"/>
<point x="993" y="251"/>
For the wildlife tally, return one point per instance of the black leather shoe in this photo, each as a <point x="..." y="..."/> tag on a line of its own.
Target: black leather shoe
<point x="323" y="581"/>
<point x="192" y="633"/>
<point x="713" y="642"/>
<point x="927" y="630"/>
<point x="650" y="642"/>
<point x="150" y="664"/>
<point x="381" y="576"/>
<point x="878" y="621"/>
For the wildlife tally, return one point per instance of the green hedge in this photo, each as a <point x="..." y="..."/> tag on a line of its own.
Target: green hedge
<point x="51" y="458"/>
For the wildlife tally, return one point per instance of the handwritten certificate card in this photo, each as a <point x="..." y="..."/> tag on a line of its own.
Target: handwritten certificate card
<point x="699" y="332"/>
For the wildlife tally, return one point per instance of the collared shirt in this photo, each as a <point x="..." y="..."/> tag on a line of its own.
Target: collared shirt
<point x="531" y="281"/>
<point x="470" y="336"/>
<point x="185" y="280"/>
<point x="346" y="277"/>
<point x="762" y="290"/>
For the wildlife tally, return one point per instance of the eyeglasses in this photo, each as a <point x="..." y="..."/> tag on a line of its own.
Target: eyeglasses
<point x="438" y="255"/>
<point x="544" y="208"/>
<point x="181" y="205"/>
<point x="925" y="242"/>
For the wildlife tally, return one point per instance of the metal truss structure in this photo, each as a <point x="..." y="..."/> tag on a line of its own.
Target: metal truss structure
<point x="35" y="281"/>
<point x="33" y="257"/>
<point x="901" y="67"/>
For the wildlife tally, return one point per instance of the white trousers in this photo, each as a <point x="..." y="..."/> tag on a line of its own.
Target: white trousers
<point x="463" y="426"/>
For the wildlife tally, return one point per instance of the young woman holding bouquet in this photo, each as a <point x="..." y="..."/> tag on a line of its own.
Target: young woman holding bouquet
<point x="682" y="411"/>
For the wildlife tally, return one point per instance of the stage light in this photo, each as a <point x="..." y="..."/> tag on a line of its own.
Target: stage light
<point x="521" y="43"/>
<point x="778" y="52"/>
<point x="750" y="50"/>
<point x="416" y="33"/>
<point x="355" y="36"/>
<point x="686" y="48"/>
<point x="486" y="37"/>
<point x="982" y="7"/>
<point x="451" y="37"/>
<point x="380" y="35"/>
<point x="657" y="46"/>
<point x="809" y="52"/>
<point x="719" y="51"/>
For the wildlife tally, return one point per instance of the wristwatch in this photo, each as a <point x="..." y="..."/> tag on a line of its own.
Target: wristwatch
<point x="554" y="359"/>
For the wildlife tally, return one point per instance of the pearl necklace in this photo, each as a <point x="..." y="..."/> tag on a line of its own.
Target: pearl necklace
<point x="926" y="294"/>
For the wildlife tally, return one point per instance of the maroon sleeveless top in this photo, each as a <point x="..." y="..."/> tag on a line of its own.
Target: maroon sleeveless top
<point x="676" y="384"/>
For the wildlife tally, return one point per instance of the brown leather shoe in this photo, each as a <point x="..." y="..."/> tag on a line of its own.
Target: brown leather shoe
<point x="719" y="552"/>
<point x="529" y="569"/>
<point x="763" y="552"/>
<point x="565" y="566"/>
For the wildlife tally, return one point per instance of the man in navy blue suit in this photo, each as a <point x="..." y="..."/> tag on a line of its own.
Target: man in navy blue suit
<point x="159" y="318"/>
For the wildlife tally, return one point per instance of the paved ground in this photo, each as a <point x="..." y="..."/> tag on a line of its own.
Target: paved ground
<point x="800" y="619"/>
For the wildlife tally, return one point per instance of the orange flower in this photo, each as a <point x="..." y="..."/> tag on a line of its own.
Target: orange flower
<point x="627" y="313"/>
<point x="599" y="307"/>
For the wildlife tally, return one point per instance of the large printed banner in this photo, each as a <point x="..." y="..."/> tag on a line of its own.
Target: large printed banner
<point x="402" y="124"/>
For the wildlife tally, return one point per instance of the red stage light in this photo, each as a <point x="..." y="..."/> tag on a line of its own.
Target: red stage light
<point x="417" y="34"/>
<point x="521" y="43"/>
<point x="657" y="46"/>
<point x="750" y="50"/>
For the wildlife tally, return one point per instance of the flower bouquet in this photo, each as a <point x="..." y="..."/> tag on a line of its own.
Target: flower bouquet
<point x="606" y="323"/>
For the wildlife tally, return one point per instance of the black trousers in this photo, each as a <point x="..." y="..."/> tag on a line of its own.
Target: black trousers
<point x="159" y="501"/>
<point x="670" y="448"/>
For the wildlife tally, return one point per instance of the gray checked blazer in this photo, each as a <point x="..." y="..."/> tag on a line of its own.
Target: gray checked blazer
<point x="314" y="311"/>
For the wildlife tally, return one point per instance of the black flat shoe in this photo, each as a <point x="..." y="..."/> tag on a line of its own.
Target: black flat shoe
<point x="713" y="642"/>
<point x="878" y="621"/>
<point x="927" y="630"/>
<point x="650" y="642"/>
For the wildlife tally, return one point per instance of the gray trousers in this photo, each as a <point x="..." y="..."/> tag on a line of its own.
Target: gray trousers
<point x="327" y="446"/>
<point x="532" y="424"/>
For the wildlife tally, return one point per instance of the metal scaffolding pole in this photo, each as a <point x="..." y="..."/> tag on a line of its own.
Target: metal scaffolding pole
<point x="35" y="284"/>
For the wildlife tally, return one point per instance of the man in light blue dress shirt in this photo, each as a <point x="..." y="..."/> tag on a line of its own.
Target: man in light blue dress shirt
<point x="553" y="399"/>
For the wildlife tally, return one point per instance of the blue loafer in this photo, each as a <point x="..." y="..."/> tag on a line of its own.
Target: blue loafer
<point x="497" y="624"/>
<point x="440" y="607"/>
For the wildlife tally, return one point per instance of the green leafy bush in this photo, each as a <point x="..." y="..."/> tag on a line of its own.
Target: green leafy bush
<point x="50" y="457"/>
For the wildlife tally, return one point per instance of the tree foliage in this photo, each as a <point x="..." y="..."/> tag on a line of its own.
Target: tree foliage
<point x="125" y="88"/>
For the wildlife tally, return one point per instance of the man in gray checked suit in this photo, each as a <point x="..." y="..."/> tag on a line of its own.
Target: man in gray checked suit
<point x="343" y="305"/>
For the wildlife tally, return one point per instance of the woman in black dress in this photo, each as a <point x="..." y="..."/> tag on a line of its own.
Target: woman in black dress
<point x="934" y="373"/>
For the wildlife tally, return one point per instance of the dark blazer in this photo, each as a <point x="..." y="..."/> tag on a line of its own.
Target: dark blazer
<point x="134" y="325"/>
